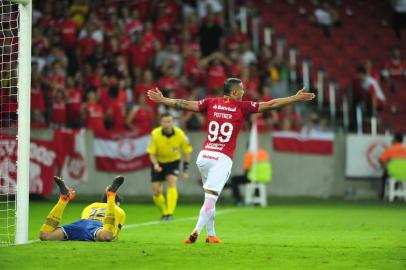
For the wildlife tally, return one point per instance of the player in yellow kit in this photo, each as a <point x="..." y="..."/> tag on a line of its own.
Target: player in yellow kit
<point x="100" y="221"/>
<point x="167" y="143"/>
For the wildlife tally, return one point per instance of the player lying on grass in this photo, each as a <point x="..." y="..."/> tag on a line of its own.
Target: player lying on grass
<point x="101" y="221"/>
<point x="225" y="116"/>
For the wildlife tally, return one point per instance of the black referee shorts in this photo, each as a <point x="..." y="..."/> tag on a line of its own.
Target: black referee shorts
<point x="170" y="168"/>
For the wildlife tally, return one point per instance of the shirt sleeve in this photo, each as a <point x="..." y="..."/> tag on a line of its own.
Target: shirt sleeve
<point x="203" y="104"/>
<point x="151" y="149"/>
<point x="120" y="223"/>
<point x="385" y="155"/>
<point x="247" y="161"/>
<point x="248" y="107"/>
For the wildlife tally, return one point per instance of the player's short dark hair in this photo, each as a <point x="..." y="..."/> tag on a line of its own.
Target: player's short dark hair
<point x="166" y="114"/>
<point x="229" y="84"/>
<point x="398" y="137"/>
<point x="361" y="70"/>
<point x="104" y="198"/>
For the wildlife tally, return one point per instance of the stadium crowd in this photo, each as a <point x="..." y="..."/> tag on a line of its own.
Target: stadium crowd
<point x="94" y="60"/>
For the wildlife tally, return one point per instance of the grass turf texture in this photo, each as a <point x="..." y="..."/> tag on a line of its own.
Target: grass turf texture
<point x="286" y="235"/>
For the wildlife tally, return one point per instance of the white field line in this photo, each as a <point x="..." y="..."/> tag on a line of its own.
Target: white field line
<point x="149" y="223"/>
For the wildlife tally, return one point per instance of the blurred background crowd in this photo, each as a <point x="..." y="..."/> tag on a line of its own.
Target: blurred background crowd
<point x="94" y="60"/>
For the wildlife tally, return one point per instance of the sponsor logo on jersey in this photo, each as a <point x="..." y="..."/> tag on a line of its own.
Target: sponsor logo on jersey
<point x="253" y="104"/>
<point x="210" y="157"/>
<point x="223" y="108"/>
<point x="215" y="146"/>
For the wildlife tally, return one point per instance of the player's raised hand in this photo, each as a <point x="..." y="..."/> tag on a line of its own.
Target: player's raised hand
<point x="155" y="95"/>
<point x="304" y="96"/>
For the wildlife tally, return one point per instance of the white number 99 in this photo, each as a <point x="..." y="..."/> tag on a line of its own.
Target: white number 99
<point x="226" y="130"/>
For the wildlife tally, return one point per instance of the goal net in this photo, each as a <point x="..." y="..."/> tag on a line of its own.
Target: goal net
<point x="14" y="120"/>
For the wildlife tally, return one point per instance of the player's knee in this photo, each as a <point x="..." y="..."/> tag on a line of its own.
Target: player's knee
<point x="156" y="192"/>
<point x="172" y="183"/>
<point x="208" y="206"/>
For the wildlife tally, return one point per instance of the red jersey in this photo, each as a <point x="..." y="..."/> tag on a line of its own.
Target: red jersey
<point x="216" y="77"/>
<point x="68" y="33"/>
<point x="74" y="103"/>
<point x="118" y="113"/>
<point x="58" y="112"/>
<point x="37" y="98"/>
<point x="396" y="69"/>
<point x="94" y="117"/>
<point x="225" y="118"/>
<point x="143" y="119"/>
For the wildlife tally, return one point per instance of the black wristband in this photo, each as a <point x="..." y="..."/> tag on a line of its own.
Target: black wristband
<point x="185" y="166"/>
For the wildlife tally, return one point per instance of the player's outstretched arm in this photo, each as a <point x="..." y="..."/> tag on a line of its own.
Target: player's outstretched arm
<point x="157" y="96"/>
<point x="301" y="95"/>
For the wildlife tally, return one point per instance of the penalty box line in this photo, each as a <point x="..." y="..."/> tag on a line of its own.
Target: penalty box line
<point x="149" y="223"/>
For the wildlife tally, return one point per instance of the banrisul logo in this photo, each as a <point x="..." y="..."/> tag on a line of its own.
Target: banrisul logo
<point x="223" y="108"/>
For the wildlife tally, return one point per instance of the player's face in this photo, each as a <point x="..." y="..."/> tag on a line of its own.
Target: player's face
<point x="239" y="91"/>
<point x="167" y="123"/>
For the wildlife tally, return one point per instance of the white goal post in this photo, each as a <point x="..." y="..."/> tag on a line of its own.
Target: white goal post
<point x="23" y="136"/>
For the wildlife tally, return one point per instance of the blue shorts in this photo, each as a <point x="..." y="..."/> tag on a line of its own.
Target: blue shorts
<point x="82" y="230"/>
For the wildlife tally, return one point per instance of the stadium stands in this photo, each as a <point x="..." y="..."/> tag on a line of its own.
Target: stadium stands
<point x="81" y="45"/>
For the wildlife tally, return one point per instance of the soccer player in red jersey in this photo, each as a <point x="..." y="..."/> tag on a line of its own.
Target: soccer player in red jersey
<point x="225" y="116"/>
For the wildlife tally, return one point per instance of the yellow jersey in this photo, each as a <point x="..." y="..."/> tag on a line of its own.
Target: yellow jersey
<point x="98" y="210"/>
<point x="167" y="148"/>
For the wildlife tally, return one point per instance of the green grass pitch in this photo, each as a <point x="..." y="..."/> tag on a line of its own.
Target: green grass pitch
<point x="289" y="234"/>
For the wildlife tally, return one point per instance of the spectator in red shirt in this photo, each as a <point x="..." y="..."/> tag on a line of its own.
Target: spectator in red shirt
<point x="235" y="38"/>
<point x="87" y="45"/>
<point x="68" y="31"/>
<point x="37" y="95"/>
<point x="73" y="103"/>
<point x="192" y="69"/>
<point x="140" y="54"/>
<point x="169" y="82"/>
<point x="395" y="67"/>
<point x="146" y="84"/>
<point x="140" y="117"/>
<point x="149" y="35"/>
<point x="116" y="110"/>
<point x="251" y="83"/>
<point x="37" y="120"/>
<point x="57" y="78"/>
<point x="58" y="112"/>
<point x="216" y="71"/>
<point x="92" y="113"/>
<point x="192" y="26"/>
<point x="135" y="24"/>
<point x="164" y="25"/>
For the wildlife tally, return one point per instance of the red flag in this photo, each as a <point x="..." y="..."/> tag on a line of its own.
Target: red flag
<point x="42" y="166"/>
<point x="121" y="152"/>
<point x="320" y="143"/>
